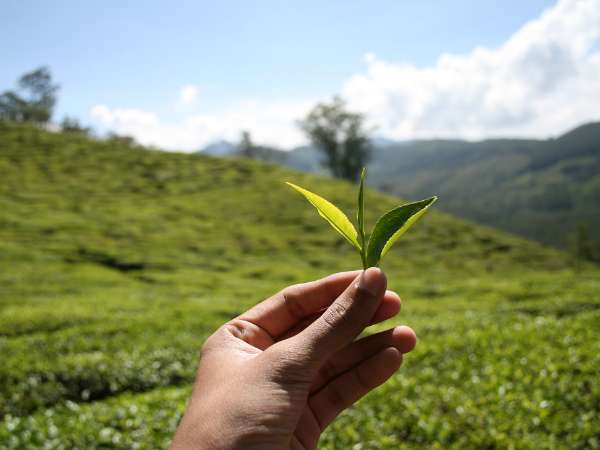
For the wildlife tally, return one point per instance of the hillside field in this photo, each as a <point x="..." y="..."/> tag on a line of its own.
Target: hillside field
<point x="116" y="262"/>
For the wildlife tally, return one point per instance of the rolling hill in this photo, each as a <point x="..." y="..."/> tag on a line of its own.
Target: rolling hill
<point x="116" y="262"/>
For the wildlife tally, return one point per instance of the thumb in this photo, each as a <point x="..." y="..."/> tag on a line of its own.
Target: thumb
<point x="345" y="318"/>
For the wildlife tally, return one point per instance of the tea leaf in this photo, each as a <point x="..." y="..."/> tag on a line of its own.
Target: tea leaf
<point x="360" y="217"/>
<point x="332" y="214"/>
<point x="392" y="225"/>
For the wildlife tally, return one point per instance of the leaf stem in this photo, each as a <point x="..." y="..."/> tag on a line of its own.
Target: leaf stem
<point x="363" y="256"/>
<point x="360" y="218"/>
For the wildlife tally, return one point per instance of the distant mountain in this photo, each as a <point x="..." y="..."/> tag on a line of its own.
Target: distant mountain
<point x="219" y="148"/>
<point x="263" y="153"/>
<point x="380" y="142"/>
<point x="305" y="158"/>
<point x="542" y="189"/>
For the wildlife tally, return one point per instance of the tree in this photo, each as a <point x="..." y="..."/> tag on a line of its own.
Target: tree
<point x="34" y="99"/>
<point x="341" y="136"/>
<point x="246" y="147"/>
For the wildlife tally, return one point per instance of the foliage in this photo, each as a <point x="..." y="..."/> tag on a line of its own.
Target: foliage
<point x="341" y="137"/>
<point x="391" y="226"/>
<point x="34" y="101"/>
<point x="387" y="230"/>
<point x="117" y="262"/>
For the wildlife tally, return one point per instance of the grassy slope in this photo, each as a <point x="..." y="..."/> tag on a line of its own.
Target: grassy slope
<point x="539" y="189"/>
<point x="116" y="262"/>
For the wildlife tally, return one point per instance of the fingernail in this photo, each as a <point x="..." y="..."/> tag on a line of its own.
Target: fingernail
<point x="372" y="280"/>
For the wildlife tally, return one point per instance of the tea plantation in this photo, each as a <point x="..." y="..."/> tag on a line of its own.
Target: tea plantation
<point x="116" y="262"/>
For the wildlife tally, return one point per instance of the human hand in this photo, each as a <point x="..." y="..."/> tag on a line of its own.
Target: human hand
<point x="277" y="375"/>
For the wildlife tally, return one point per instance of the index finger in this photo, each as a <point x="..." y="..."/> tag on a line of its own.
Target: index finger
<point x="283" y="310"/>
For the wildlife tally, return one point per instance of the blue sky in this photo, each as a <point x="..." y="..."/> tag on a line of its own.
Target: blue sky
<point x="125" y="64"/>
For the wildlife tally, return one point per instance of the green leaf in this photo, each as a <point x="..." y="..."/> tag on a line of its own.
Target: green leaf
<point x="332" y="214"/>
<point x="360" y="217"/>
<point x="391" y="226"/>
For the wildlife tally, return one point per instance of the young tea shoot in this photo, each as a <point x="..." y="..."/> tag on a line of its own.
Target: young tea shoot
<point x="387" y="230"/>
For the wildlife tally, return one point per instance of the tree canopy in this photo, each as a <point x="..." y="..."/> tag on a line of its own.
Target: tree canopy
<point x="341" y="136"/>
<point x="33" y="100"/>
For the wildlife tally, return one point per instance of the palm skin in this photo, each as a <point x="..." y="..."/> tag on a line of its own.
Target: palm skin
<point x="276" y="376"/>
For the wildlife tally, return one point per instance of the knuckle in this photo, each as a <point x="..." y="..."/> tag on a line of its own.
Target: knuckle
<point x="291" y="299"/>
<point x="235" y="328"/>
<point x="216" y="340"/>
<point x="335" y="314"/>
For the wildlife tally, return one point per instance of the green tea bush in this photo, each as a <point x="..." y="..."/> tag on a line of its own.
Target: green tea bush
<point x="117" y="262"/>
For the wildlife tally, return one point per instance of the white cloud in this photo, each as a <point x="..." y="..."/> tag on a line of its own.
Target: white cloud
<point x="542" y="81"/>
<point x="188" y="94"/>
<point x="270" y="123"/>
